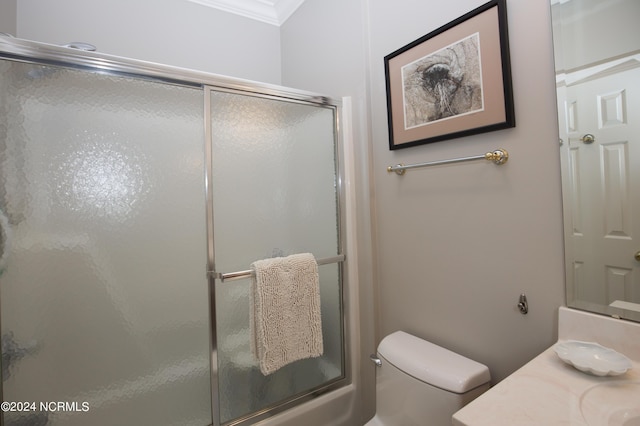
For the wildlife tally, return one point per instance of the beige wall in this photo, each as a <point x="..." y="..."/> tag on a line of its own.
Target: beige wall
<point x="458" y="244"/>
<point x="454" y="246"/>
<point x="602" y="31"/>
<point x="8" y="17"/>
<point x="172" y="32"/>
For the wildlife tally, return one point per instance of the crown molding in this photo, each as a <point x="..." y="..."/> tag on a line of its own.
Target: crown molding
<point x="274" y="12"/>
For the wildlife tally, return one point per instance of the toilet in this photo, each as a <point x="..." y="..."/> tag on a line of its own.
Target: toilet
<point x="419" y="383"/>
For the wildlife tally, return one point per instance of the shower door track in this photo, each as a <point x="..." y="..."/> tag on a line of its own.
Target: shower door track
<point x="19" y="50"/>
<point x="46" y="54"/>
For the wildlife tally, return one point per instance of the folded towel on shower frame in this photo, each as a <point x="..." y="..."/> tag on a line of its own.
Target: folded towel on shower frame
<point x="286" y="323"/>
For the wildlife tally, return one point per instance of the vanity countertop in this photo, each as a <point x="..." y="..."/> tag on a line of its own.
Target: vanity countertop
<point x="545" y="391"/>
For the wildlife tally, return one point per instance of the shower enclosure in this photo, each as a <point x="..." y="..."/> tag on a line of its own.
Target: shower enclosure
<point x="133" y="198"/>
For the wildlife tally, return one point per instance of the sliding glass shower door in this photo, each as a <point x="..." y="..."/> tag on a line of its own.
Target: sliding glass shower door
<point x="103" y="286"/>
<point x="275" y="193"/>
<point x="127" y="191"/>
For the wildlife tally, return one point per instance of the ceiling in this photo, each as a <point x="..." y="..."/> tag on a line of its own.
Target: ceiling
<point x="273" y="12"/>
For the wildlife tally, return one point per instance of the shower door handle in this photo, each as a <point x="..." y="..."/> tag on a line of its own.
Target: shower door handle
<point x="5" y="241"/>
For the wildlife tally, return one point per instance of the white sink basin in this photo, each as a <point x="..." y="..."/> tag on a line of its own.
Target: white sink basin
<point x="614" y="403"/>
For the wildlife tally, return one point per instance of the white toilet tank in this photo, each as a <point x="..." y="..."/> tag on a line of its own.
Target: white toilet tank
<point x="419" y="383"/>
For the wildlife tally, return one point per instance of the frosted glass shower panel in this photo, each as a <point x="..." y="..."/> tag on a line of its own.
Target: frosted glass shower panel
<point x="274" y="179"/>
<point x="104" y="296"/>
<point x="274" y="194"/>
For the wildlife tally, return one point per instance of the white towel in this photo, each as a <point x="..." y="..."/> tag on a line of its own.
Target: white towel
<point x="285" y="315"/>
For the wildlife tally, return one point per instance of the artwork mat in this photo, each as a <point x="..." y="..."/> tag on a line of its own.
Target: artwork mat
<point x="489" y="21"/>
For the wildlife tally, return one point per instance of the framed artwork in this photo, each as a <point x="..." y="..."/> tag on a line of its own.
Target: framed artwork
<point x="452" y="82"/>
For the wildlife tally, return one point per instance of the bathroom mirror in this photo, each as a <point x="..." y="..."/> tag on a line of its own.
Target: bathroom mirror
<point x="597" y="57"/>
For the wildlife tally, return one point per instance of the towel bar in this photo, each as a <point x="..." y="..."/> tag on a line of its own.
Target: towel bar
<point x="499" y="156"/>
<point x="229" y="276"/>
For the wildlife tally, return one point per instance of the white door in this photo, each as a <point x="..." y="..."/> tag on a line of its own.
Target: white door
<point x="602" y="188"/>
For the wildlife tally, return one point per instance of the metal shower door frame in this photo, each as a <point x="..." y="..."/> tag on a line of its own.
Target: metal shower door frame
<point x="33" y="52"/>
<point x="303" y="98"/>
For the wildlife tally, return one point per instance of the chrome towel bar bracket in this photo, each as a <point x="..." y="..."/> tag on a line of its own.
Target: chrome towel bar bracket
<point x="499" y="157"/>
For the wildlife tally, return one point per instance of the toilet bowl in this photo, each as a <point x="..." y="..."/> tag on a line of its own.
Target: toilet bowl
<point x="419" y="383"/>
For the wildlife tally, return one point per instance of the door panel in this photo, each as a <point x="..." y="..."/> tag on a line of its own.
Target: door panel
<point x="604" y="181"/>
<point x="274" y="194"/>
<point x="104" y="295"/>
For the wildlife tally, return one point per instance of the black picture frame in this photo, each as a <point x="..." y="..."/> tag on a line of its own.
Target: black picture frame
<point x="453" y="82"/>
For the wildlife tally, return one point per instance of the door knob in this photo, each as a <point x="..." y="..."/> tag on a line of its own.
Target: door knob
<point x="637" y="256"/>
<point x="588" y="138"/>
